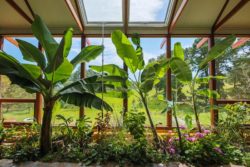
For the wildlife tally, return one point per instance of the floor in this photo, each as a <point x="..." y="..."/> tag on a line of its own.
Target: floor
<point x="8" y="163"/>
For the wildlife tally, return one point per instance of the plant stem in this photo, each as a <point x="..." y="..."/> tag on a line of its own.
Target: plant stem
<point x="176" y="121"/>
<point x="194" y="103"/>
<point x="45" y="140"/>
<point x="156" y="139"/>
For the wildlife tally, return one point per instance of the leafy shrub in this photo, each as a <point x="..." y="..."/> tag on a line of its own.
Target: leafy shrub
<point x="230" y="125"/>
<point x="134" y="122"/>
<point x="206" y="149"/>
<point x="26" y="149"/>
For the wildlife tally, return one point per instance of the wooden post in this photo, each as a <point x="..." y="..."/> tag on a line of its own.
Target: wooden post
<point x="168" y="81"/>
<point x="83" y="70"/>
<point x="212" y="85"/>
<point x="38" y="107"/>
<point x="1" y="48"/>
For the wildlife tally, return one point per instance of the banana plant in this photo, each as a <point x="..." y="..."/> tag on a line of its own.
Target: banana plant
<point x="183" y="73"/>
<point x="143" y="78"/>
<point x="48" y="73"/>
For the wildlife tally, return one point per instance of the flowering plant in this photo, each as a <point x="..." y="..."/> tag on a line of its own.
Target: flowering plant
<point x="204" y="148"/>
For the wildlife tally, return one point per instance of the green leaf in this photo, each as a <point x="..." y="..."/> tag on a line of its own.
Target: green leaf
<point x="112" y="78"/>
<point x="136" y="39"/>
<point x="217" y="51"/>
<point x="78" y="97"/>
<point x="188" y="121"/>
<point x="62" y="73"/>
<point x="161" y="97"/>
<point x="111" y="69"/>
<point x="62" y="52"/>
<point x="178" y="51"/>
<point x="206" y="79"/>
<point x="42" y="33"/>
<point x="34" y="70"/>
<point x="87" y="54"/>
<point x="139" y="54"/>
<point x="180" y="69"/>
<point x="125" y="50"/>
<point x="31" y="53"/>
<point x="147" y="85"/>
<point x="208" y="93"/>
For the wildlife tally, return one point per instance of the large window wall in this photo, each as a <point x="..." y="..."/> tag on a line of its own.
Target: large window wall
<point x="233" y="66"/>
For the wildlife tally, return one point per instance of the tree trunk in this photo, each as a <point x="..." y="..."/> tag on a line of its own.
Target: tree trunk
<point x="45" y="140"/>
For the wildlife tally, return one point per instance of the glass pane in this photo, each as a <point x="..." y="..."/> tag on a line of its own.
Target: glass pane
<point x="148" y="10"/>
<point x="14" y="112"/>
<point x="234" y="66"/>
<point x="182" y="93"/>
<point x="151" y="53"/>
<point x="103" y="10"/>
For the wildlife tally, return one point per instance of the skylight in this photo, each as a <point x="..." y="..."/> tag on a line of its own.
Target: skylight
<point x="98" y="11"/>
<point x="152" y="11"/>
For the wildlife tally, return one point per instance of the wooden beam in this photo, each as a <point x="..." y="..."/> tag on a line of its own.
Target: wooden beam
<point x="78" y="12"/>
<point x="74" y="14"/>
<point x="240" y="42"/>
<point x="224" y="101"/>
<point x="201" y="43"/>
<point x="177" y="16"/>
<point x="10" y="100"/>
<point x="219" y="15"/>
<point x="212" y="85"/>
<point x="125" y="19"/>
<point x="83" y="71"/>
<point x="168" y="81"/>
<point x="30" y="8"/>
<point x="13" y="4"/>
<point x="172" y="14"/>
<point x="1" y="48"/>
<point x="230" y="14"/>
<point x="12" y="40"/>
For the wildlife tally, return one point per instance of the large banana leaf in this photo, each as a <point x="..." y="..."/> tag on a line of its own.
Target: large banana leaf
<point x="32" y="53"/>
<point x="62" y="73"/>
<point x="178" y="51"/>
<point x="180" y="69"/>
<point x="42" y="33"/>
<point x="61" y="52"/>
<point x="87" y="54"/>
<point x="139" y="51"/>
<point x="111" y="69"/>
<point x="125" y="50"/>
<point x="80" y="96"/>
<point x="217" y="51"/>
<point x="13" y="66"/>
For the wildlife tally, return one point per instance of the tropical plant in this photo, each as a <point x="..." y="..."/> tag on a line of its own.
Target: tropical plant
<point x="144" y="76"/>
<point x="182" y="71"/>
<point x="47" y="73"/>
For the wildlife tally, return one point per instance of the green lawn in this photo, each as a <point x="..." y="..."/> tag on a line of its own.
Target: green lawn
<point x="155" y="107"/>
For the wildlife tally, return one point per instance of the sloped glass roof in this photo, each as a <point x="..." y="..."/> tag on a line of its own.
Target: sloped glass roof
<point x="102" y="10"/>
<point x="96" y="12"/>
<point x="148" y="11"/>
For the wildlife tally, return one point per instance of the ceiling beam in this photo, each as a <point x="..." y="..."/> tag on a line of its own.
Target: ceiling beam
<point x="30" y="8"/>
<point x="125" y="19"/>
<point x="172" y="14"/>
<point x="230" y="14"/>
<point x="219" y="15"/>
<point x="13" y="4"/>
<point x="74" y="14"/>
<point x="201" y="43"/>
<point x="11" y="40"/>
<point x="79" y="14"/>
<point x="177" y="16"/>
<point x="240" y="42"/>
